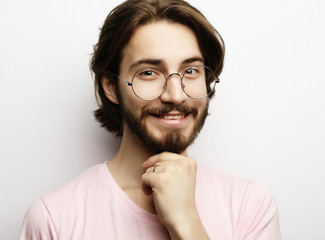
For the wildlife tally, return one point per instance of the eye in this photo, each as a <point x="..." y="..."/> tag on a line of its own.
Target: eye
<point x="190" y="71"/>
<point x="148" y="73"/>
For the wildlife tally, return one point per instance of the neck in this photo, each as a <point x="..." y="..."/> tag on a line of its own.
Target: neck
<point x="126" y="166"/>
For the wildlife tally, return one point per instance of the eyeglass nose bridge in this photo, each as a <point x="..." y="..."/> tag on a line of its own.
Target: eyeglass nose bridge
<point x="175" y="74"/>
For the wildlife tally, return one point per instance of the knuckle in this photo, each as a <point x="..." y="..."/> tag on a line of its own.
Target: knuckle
<point x="164" y="155"/>
<point x="190" y="163"/>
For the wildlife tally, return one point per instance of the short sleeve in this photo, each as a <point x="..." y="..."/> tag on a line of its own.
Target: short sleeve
<point x="265" y="223"/>
<point x="37" y="224"/>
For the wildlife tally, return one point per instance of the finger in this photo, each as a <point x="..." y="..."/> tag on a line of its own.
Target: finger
<point x="149" y="170"/>
<point x="150" y="162"/>
<point x="161" y="157"/>
<point x="157" y="168"/>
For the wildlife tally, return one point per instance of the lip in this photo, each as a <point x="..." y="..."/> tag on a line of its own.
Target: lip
<point x="172" y="119"/>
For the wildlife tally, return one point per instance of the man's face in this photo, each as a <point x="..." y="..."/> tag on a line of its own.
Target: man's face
<point x="171" y="122"/>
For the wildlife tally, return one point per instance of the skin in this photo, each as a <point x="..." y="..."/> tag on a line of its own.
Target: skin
<point x="170" y="190"/>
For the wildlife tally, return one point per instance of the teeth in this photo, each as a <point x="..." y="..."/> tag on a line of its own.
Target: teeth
<point x="173" y="117"/>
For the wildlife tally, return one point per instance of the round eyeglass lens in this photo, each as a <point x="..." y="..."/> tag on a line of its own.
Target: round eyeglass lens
<point x="198" y="81"/>
<point x="148" y="83"/>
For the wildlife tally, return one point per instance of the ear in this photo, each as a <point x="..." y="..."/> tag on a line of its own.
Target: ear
<point x="110" y="89"/>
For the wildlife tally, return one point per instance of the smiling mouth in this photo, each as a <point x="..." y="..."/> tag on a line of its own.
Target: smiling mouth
<point x="170" y="112"/>
<point x="172" y="117"/>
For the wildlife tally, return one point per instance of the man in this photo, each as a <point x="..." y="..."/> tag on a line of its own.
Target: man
<point x="155" y="65"/>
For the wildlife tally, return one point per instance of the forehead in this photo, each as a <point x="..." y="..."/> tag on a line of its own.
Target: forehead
<point x="170" y="43"/>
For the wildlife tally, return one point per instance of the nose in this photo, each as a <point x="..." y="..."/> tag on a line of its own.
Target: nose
<point x="174" y="92"/>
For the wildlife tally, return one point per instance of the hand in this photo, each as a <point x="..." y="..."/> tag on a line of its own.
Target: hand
<point x="173" y="188"/>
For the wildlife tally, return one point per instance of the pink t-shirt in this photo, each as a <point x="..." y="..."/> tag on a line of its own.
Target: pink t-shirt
<point x="92" y="207"/>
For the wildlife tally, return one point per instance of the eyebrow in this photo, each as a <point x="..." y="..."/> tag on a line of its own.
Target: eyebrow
<point x="193" y="59"/>
<point x="150" y="61"/>
<point x="146" y="61"/>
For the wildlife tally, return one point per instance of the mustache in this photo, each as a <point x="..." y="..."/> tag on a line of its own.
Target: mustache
<point x="168" y="107"/>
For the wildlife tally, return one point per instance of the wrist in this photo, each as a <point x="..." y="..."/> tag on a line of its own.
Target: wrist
<point x="189" y="228"/>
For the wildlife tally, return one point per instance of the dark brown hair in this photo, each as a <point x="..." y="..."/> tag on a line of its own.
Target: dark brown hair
<point x="117" y="30"/>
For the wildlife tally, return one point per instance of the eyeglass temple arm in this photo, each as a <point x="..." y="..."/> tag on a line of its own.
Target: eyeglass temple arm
<point x="126" y="82"/>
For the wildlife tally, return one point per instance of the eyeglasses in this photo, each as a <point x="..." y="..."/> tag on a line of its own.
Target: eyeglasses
<point x="149" y="83"/>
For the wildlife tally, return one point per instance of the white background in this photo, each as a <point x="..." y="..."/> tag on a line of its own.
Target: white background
<point x="267" y="119"/>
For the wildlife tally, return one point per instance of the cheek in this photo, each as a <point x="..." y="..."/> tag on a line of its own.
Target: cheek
<point x="201" y="105"/>
<point x="129" y="100"/>
<point x="125" y="91"/>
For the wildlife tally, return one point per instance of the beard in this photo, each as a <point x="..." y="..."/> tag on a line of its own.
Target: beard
<point x="170" y="140"/>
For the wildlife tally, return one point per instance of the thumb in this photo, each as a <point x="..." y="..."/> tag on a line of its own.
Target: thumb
<point x="184" y="153"/>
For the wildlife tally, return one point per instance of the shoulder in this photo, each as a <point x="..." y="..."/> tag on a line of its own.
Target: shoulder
<point x="54" y="211"/>
<point x="248" y="203"/>
<point x="233" y="192"/>
<point x="38" y="223"/>
<point x="75" y="192"/>
<point x="77" y="186"/>
<point x="228" y="183"/>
